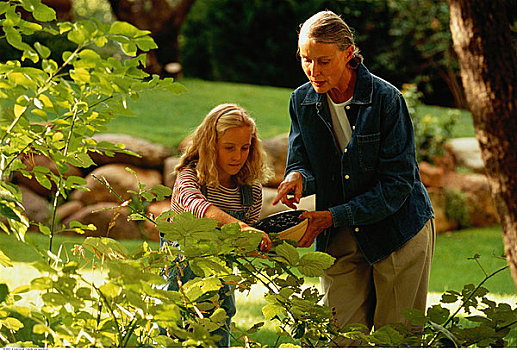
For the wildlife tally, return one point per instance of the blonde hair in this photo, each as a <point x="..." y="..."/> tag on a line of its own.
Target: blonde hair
<point x="328" y="28"/>
<point x="202" y="148"/>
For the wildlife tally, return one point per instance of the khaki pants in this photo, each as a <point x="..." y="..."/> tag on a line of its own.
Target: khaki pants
<point x="376" y="295"/>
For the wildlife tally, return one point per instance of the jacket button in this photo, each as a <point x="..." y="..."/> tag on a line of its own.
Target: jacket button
<point x="356" y="229"/>
<point x="347" y="107"/>
<point x="347" y="177"/>
<point x="345" y="150"/>
<point x="353" y="127"/>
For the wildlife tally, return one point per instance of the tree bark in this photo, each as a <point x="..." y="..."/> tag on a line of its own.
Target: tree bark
<point x="482" y="40"/>
<point x="163" y="20"/>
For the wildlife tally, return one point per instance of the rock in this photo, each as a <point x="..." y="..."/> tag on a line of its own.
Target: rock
<point x="439" y="202"/>
<point x="269" y="194"/>
<point x="155" y="208"/>
<point x="479" y="200"/>
<point x="466" y="152"/>
<point x="37" y="208"/>
<point x="68" y="208"/>
<point x="121" y="227"/>
<point x="43" y="161"/>
<point x="152" y="154"/>
<point x="276" y="149"/>
<point x="431" y="176"/>
<point x="184" y="144"/>
<point x="169" y="177"/>
<point x="119" y="179"/>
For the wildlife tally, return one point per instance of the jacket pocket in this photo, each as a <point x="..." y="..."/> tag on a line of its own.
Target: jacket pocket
<point x="368" y="146"/>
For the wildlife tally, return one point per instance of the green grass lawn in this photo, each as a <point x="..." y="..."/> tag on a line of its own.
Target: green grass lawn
<point x="167" y="119"/>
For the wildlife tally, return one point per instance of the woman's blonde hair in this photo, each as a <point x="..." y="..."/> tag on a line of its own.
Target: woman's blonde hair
<point x="202" y="149"/>
<point x="328" y="28"/>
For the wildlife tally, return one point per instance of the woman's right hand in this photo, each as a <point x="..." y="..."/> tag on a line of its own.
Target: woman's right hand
<point x="293" y="183"/>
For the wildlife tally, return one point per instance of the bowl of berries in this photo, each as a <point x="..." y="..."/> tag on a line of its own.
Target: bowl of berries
<point x="286" y="224"/>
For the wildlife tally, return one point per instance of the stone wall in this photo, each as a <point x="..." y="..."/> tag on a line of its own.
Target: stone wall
<point x="99" y="206"/>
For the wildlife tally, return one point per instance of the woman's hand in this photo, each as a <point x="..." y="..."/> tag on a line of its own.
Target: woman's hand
<point x="292" y="183"/>
<point x="318" y="221"/>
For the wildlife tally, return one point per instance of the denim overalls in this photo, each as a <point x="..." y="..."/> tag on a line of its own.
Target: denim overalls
<point x="225" y="294"/>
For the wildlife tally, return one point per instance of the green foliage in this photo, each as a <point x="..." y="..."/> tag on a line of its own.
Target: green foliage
<point x="456" y="208"/>
<point x="258" y="45"/>
<point x="53" y="108"/>
<point x="431" y="132"/>
<point x="488" y="322"/>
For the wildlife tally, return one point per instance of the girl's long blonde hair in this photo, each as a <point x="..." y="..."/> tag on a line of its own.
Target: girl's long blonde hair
<point x="202" y="149"/>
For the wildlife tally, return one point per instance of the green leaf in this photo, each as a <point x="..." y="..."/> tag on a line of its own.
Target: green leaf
<point x="110" y="290"/>
<point x="43" y="180"/>
<point x="14" y="38"/>
<point x="219" y="317"/>
<point x="4" y="291"/>
<point x="3" y="7"/>
<point x="54" y="299"/>
<point x="12" y="323"/>
<point x="4" y="260"/>
<point x="272" y="310"/>
<point x="438" y="314"/>
<point x="44" y="229"/>
<point x="80" y="75"/>
<point x="161" y="192"/>
<point x="123" y="28"/>
<point x="185" y="224"/>
<point x="146" y="43"/>
<point x="415" y="317"/>
<point x="313" y="264"/>
<point x="287" y="251"/>
<point x="449" y="297"/>
<point x="7" y="211"/>
<point x="43" y="51"/>
<point x="388" y="336"/>
<point x="41" y="12"/>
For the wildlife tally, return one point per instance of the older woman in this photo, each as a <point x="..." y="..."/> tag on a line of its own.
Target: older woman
<point x="352" y="144"/>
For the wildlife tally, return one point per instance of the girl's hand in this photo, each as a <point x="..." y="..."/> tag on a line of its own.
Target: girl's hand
<point x="265" y="243"/>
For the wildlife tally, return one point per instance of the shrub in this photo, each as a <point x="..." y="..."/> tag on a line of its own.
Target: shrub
<point x="431" y="132"/>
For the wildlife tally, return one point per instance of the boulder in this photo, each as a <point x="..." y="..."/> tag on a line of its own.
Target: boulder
<point x="466" y="152"/>
<point x="169" y="177"/>
<point x="119" y="179"/>
<point x="152" y="154"/>
<point x="479" y="200"/>
<point x="276" y="149"/>
<point x="431" y="176"/>
<point x="43" y="161"/>
<point x="439" y="202"/>
<point x="269" y="194"/>
<point x="37" y="208"/>
<point x="68" y="208"/>
<point x="110" y="220"/>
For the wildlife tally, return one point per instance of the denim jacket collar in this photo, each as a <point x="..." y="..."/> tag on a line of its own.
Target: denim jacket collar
<point x="363" y="90"/>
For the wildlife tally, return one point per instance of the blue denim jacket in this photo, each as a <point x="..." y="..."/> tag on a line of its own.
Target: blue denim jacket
<point x="373" y="188"/>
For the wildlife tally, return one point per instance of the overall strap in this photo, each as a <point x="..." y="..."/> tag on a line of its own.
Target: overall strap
<point x="246" y="195"/>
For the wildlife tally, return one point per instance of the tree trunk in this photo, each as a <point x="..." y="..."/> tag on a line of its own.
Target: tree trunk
<point x="163" y="20"/>
<point x="482" y="40"/>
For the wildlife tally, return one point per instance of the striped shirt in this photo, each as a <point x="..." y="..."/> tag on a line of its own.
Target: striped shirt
<point x="187" y="197"/>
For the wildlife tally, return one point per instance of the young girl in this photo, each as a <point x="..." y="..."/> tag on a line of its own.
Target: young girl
<point x="219" y="177"/>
